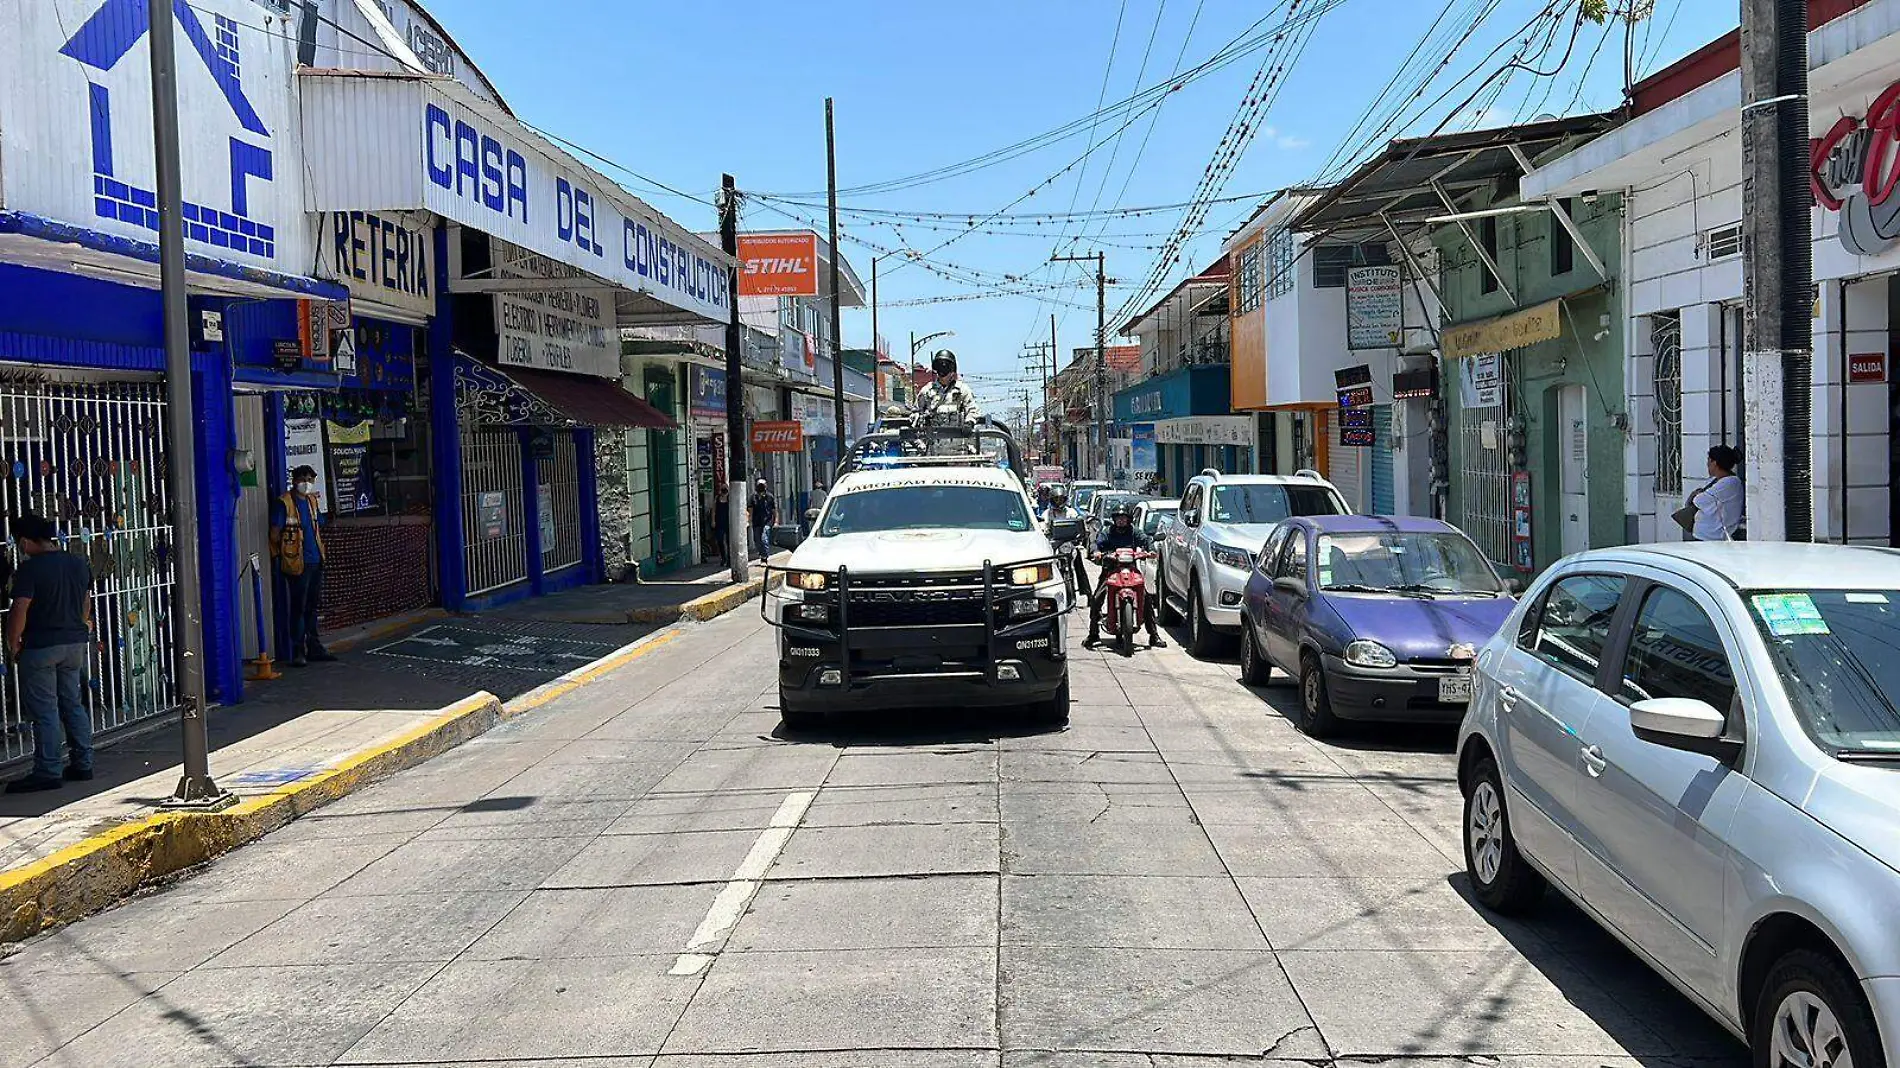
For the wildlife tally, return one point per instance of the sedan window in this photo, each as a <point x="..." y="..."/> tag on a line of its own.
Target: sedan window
<point x="1293" y="561"/>
<point x="1573" y="627"/>
<point x="1838" y="655"/>
<point x="1675" y="651"/>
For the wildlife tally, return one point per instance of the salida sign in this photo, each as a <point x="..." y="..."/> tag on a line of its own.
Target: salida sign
<point x="1854" y="169"/>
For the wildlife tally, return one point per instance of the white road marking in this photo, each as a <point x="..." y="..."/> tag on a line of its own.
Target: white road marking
<point x="736" y="896"/>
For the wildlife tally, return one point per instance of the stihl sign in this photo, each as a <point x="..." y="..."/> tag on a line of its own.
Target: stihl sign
<point x="778" y="437"/>
<point x="778" y="265"/>
<point x="1854" y="169"/>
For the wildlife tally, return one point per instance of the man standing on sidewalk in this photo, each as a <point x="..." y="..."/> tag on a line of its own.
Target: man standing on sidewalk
<point x="764" y="510"/>
<point x="297" y="543"/>
<point x="48" y="629"/>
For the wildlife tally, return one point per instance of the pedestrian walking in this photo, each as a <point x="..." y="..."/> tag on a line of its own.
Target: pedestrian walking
<point x="49" y="627"/>
<point x="296" y="538"/>
<point x="722" y="524"/>
<point x="1718" y="504"/>
<point x="762" y="511"/>
<point x="815" y="503"/>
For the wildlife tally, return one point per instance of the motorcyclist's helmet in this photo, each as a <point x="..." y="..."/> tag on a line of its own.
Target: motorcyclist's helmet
<point x="1058" y="494"/>
<point x="1122" y="515"/>
<point x="943" y="362"/>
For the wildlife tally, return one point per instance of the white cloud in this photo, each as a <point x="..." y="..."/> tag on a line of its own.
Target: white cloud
<point x="1293" y="144"/>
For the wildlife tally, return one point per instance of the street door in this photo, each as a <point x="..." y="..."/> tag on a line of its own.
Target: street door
<point x="664" y="469"/>
<point x="1383" y="501"/>
<point x="494" y="530"/>
<point x="1573" y="459"/>
<point x="559" y="499"/>
<point x="253" y="528"/>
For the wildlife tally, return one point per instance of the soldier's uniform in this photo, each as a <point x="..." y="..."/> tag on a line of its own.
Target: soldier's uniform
<point x="936" y="395"/>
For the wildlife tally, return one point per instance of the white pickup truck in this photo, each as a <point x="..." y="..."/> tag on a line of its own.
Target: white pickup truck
<point x="924" y="582"/>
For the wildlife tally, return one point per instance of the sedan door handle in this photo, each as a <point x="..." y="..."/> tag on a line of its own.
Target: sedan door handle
<point x="1508" y="698"/>
<point x="1594" y="761"/>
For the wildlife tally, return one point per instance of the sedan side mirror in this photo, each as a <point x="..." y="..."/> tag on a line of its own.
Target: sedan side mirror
<point x="1513" y="586"/>
<point x="787" y="537"/>
<point x="1684" y="723"/>
<point x="1291" y="585"/>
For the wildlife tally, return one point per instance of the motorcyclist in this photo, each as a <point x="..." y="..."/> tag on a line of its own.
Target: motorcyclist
<point x="1120" y="534"/>
<point x="1059" y="511"/>
<point x="948" y="389"/>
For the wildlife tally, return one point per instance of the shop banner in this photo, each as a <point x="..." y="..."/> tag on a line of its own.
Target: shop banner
<point x="384" y="257"/>
<point x="303" y="447"/>
<point x="816" y="414"/>
<point x="492" y="514"/>
<point x="778" y="436"/>
<point x="706" y="387"/>
<point x="778" y="265"/>
<point x="1481" y="381"/>
<point x="558" y="330"/>
<point x="1375" y="309"/>
<point x="1355" y="428"/>
<point x="1144" y="447"/>
<point x="1513" y="331"/>
<point x="1205" y="430"/>
<point x="349" y="467"/>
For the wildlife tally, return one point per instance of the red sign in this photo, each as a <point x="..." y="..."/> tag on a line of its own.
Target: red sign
<point x="778" y="265"/>
<point x="1854" y="169"/>
<point x="1867" y="367"/>
<point x="783" y="436"/>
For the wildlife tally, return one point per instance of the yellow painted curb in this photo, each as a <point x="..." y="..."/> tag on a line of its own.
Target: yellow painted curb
<point x="92" y="874"/>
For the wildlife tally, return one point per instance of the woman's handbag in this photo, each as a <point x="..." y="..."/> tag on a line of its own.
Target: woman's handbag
<point x="1685" y="515"/>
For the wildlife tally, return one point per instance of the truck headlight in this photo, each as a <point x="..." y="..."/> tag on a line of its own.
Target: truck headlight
<point x="1228" y="556"/>
<point x="812" y="611"/>
<point x="1370" y="654"/>
<point x="807" y="580"/>
<point x="1031" y="574"/>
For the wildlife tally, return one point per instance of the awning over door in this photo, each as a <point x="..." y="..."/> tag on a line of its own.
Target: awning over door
<point x="516" y="396"/>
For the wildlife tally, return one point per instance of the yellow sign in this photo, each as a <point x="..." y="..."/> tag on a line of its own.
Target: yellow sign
<point x="1513" y="331"/>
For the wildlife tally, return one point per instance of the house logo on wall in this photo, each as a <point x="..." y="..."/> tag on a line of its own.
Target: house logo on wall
<point x="102" y="43"/>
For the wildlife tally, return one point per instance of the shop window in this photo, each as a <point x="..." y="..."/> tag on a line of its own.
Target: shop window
<point x="1332" y="262"/>
<point x="1247" y="288"/>
<point x="1280" y="263"/>
<point x="1563" y="251"/>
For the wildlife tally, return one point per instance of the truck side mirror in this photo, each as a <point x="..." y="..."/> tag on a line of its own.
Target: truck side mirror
<point x="786" y="537"/>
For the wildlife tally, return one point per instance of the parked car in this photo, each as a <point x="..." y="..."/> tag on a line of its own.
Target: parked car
<point x="1699" y="744"/>
<point x="1152" y="518"/>
<point x="1378" y="618"/>
<point x="1083" y="490"/>
<point x="1211" y="547"/>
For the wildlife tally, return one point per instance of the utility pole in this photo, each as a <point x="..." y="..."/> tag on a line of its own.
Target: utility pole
<point x="1778" y="271"/>
<point x="735" y="389"/>
<point x="1099" y="443"/>
<point x="196" y="789"/>
<point x="1055" y="425"/>
<point x="1038" y="353"/>
<point x="837" y="317"/>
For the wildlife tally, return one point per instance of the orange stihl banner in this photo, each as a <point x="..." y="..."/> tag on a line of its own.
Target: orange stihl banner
<point x="788" y="436"/>
<point x="778" y="265"/>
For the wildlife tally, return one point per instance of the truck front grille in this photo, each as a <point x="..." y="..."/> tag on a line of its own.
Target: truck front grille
<point x="866" y="612"/>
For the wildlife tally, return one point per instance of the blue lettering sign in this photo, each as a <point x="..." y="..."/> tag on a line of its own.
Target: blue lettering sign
<point x="474" y="165"/>
<point x="574" y="216"/>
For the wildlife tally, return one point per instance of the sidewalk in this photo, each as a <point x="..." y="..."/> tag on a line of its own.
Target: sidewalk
<point x="429" y="681"/>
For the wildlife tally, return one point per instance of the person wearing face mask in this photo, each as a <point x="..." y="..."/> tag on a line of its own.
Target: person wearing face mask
<point x="296" y="539"/>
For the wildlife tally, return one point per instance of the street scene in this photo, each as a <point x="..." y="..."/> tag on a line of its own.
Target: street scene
<point x="1139" y="534"/>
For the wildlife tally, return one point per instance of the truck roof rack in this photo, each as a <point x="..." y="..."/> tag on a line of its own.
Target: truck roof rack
<point x="1307" y="472"/>
<point x="1211" y="472"/>
<point x="913" y="447"/>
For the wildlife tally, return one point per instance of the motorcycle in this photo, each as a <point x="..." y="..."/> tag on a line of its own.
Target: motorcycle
<point x="1066" y="535"/>
<point x="1126" y="599"/>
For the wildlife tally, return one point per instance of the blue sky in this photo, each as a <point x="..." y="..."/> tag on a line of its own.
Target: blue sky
<point x="682" y="92"/>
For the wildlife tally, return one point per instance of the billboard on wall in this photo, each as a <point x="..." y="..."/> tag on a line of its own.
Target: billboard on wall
<point x="1375" y="310"/>
<point x="778" y="265"/>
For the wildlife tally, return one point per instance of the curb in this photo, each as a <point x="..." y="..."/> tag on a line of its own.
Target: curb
<point x="111" y="865"/>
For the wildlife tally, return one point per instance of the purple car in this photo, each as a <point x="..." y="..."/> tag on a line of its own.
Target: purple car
<point x="1378" y="617"/>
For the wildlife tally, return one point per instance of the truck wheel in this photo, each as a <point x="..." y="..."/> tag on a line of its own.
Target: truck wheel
<point x="1055" y="711"/>
<point x="1164" y="612"/>
<point x="797" y="719"/>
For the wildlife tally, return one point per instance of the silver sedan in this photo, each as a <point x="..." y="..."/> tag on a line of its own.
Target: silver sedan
<point x="1699" y="744"/>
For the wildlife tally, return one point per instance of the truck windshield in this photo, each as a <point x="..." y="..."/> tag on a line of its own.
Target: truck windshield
<point x="1270" y="503"/>
<point x="923" y="508"/>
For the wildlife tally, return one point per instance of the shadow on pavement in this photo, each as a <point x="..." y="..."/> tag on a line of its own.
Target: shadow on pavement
<point x="929" y="726"/>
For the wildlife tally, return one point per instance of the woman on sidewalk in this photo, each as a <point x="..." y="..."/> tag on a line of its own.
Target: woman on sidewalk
<point x="1718" y="504"/>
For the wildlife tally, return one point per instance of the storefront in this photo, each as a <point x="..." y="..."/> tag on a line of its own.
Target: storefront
<point x="1192" y="428"/>
<point x="542" y="261"/>
<point x="706" y="406"/>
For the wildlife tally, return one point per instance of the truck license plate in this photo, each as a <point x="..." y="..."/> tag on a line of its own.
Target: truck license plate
<point x="1455" y="689"/>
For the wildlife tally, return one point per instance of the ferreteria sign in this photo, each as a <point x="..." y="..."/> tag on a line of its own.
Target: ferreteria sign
<point x="1854" y="169"/>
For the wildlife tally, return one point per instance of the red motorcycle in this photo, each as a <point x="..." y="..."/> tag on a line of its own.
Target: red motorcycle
<point x="1126" y="599"/>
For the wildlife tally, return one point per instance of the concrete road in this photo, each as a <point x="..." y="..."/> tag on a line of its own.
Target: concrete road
<point x="644" y="873"/>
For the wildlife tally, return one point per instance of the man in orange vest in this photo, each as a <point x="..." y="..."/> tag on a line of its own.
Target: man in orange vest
<point x="296" y="540"/>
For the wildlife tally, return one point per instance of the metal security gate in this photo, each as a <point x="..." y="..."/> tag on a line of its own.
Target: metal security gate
<point x="494" y="530"/>
<point x="1483" y="474"/>
<point x="1384" y="500"/>
<point x="560" y="490"/>
<point x="91" y="458"/>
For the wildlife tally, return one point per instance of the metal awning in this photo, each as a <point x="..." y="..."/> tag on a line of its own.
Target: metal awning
<point x="518" y="396"/>
<point x="1415" y="178"/>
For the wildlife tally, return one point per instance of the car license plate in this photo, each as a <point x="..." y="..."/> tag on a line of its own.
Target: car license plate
<point x="1455" y="689"/>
